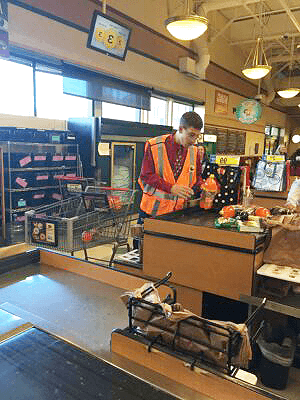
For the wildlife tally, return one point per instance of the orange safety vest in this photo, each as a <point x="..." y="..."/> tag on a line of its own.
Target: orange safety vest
<point x="157" y="202"/>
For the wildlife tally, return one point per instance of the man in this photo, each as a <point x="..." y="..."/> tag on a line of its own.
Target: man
<point x="171" y="168"/>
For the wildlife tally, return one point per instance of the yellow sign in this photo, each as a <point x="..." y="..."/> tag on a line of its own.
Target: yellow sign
<point x="276" y="158"/>
<point x="227" y="160"/>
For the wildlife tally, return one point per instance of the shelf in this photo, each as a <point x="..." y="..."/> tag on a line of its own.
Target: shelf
<point x="289" y="305"/>
<point x="20" y="147"/>
<point x="24" y="209"/>
<point x="30" y="189"/>
<point x="42" y="168"/>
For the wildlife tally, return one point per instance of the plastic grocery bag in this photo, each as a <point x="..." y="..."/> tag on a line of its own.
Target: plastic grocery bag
<point x="294" y="194"/>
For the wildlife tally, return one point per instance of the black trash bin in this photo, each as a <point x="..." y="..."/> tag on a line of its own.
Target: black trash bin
<point x="275" y="363"/>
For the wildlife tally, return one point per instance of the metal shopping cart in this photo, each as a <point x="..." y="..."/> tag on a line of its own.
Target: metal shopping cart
<point x="99" y="215"/>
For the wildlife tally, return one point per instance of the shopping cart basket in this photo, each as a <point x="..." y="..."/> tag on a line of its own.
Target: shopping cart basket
<point x="218" y="345"/>
<point x="72" y="185"/>
<point x="97" y="216"/>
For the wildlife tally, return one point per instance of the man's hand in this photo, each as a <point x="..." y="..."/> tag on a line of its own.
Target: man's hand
<point x="184" y="192"/>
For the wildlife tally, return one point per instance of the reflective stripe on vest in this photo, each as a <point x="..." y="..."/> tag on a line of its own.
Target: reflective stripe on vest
<point x="155" y="201"/>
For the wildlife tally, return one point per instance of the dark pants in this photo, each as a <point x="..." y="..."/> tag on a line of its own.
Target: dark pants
<point x="140" y="221"/>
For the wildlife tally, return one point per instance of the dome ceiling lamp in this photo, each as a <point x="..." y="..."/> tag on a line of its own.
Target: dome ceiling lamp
<point x="188" y="26"/>
<point x="256" y="65"/>
<point x="290" y="91"/>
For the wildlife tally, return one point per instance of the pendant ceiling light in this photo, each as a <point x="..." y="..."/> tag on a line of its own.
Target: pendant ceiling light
<point x="289" y="92"/>
<point x="187" y="27"/>
<point x="256" y="65"/>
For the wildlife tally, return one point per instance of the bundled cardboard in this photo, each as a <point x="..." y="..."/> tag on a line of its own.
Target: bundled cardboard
<point x="174" y="322"/>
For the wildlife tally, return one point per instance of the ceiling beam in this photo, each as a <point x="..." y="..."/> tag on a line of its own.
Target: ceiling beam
<point x="268" y="13"/>
<point x="245" y="5"/>
<point x="221" y="31"/>
<point x="274" y="75"/>
<point x="290" y="14"/>
<point x="266" y="39"/>
<point x="215" y="5"/>
<point x="283" y="58"/>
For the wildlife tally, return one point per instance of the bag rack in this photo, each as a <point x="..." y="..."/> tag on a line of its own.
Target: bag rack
<point x="201" y="340"/>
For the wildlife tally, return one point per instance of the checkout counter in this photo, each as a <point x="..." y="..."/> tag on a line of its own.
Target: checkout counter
<point x="202" y="257"/>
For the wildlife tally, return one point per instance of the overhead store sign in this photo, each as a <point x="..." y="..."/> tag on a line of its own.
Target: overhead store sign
<point x="3" y="29"/>
<point x="248" y="111"/>
<point x="108" y="36"/>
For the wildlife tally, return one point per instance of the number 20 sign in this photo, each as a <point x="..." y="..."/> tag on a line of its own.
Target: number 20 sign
<point x="108" y="36"/>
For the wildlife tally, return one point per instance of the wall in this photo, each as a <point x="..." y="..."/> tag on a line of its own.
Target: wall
<point x="41" y="34"/>
<point x="31" y="122"/>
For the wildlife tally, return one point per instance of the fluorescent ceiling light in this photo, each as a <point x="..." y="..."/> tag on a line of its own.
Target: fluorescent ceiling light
<point x="187" y="27"/>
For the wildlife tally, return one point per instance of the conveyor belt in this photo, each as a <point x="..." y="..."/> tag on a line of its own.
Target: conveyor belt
<point x="38" y="366"/>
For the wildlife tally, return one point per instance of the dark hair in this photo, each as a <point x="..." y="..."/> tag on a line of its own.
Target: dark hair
<point x="204" y="148"/>
<point x="191" y="120"/>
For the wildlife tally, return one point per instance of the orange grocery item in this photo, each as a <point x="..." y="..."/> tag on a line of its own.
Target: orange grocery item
<point x="262" y="212"/>
<point x="228" y="212"/>
<point x="209" y="190"/>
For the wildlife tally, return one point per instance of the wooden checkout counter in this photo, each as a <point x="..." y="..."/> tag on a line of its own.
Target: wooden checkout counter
<point x="202" y="257"/>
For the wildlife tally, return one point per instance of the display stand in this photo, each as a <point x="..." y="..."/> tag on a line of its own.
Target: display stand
<point x="30" y="171"/>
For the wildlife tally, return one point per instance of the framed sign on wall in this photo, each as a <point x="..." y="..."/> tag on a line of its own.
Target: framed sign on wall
<point x="221" y="102"/>
<point x="108" y="36"/>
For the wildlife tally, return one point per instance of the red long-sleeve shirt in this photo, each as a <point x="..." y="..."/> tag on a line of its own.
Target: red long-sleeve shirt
<point x="148" y="174"/>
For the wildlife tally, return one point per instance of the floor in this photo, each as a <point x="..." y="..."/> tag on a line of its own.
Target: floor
<point x="81" y="310"/>
<point x="84" y="312"/>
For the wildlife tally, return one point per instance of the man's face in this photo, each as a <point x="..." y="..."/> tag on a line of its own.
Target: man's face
<point x="188" y="136"/>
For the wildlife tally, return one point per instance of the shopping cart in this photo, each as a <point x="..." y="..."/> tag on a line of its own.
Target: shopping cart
<point x="72" y="185"/>
<point x="99" y="215"/>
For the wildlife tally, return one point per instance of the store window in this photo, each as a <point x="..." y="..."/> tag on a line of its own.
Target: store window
<point x="17" y="95"/>
<point x="158" y="112"/>
<point x="114" y="111"/>
<point x="201" y="111"/>
<point x="177" y="110"/>
<point x="51" y="102"/>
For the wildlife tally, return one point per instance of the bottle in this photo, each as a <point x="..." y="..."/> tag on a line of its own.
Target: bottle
<point x="209" y="190"/>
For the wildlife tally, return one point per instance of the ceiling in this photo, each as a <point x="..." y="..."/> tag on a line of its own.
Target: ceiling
<point x="244" y="20"/>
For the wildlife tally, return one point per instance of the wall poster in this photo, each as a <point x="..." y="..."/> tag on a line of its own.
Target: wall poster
<point x="221" y="102"/>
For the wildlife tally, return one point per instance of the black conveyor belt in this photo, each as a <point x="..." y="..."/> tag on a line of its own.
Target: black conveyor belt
<point x="38" y="366"/>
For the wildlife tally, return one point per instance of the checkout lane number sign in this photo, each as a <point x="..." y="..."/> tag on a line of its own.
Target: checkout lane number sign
<point x="108" y="36"/>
